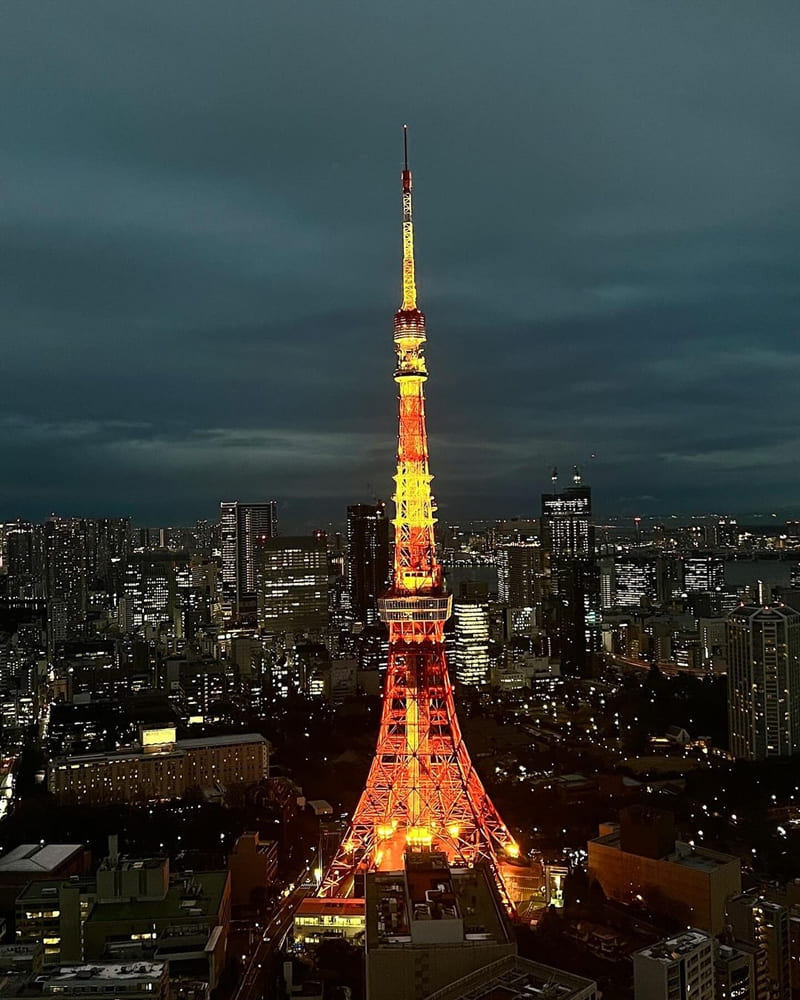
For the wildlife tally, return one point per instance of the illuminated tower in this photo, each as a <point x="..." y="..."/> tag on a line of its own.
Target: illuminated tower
<point x="422" y="790"/>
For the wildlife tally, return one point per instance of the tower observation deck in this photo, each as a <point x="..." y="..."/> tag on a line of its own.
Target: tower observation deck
<point x="422" y="791"/>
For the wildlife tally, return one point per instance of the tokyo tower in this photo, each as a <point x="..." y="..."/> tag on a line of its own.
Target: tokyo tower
<point x="422" y="792"/>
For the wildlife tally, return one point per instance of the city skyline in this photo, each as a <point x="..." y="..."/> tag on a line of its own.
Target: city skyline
<point x="200" y="255"/>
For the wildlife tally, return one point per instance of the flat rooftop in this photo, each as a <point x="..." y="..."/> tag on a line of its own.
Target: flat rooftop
<point x="698" y="858"/>
<point x="202" y="900"/>
<point x="110" y="978"/>
<point x="673" y="948"/>
<point x="395" y="901"/>
<point x="515" y="978"/>
<point x="45" y="889"/>
<point x="177" y="749"/>
<point x="314" y="906"/>
<point x="106" y="971"/>
<point x="38" y="857"/>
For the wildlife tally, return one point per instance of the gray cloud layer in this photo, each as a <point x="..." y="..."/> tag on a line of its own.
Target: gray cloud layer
<point x="200" y="249"/>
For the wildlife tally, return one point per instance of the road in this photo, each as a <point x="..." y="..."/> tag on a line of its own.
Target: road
<point x="251" y="985"/>
<point x="671" y="669"/>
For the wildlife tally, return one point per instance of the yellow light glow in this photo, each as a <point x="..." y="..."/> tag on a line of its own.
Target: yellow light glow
<point x="409" y="284"/>
<point x="158" y="737"/>
<point x="384" y="831"/>
<point x="419" y="836"/>
<point x="512" y="849"/>
<point x="454" y="829"/>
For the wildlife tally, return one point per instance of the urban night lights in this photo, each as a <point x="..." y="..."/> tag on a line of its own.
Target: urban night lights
<point x="422" y="790"/>
<point x="278" y="718"/>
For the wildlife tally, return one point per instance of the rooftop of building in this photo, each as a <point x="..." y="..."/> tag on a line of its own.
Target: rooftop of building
<point x="686" y="855"/>
<point x="754" y="900"/>
<point x="106" y="971"/>
<point x="350" y="906"/>
<point x="48" y="888"/>
<point x="516" y="978"/>
<point x="99" y="977"/>
<point x="38" y="857"/>
<point x="672" y="948"/>
<point x="177" y="749"/>
<point x="124" y="863"/>
<point x="773" y="610"/>
<point x="191" y="898"/>
<point x="429" y="890"/>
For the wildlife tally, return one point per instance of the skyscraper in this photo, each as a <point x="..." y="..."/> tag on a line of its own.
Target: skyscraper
<point x="635" y="581"/>
<point x="567" y="529"/>
<point x="573" y="615"/>
<point x="703" y="572"/>
<point x="471" y="614"/>
<point x="367" y="558"/>
<point x="65" y="578"/>
<point x="521" y="571"/>
<point x="242" y="526"/>
<point x="292" y="584"/>
<point x="25" y="560"/>
<point x="764" y="681"/>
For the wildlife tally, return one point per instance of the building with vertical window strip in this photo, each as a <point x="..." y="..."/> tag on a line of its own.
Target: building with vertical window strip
<point x="764" y="681"/>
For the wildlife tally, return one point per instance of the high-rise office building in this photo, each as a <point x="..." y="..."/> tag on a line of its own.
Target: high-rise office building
<point x="764" y="681"/>
<point x="367" y="558"/>
<point x="703" y="573"/>
<point x="292" y="584"/>
<point x="242" y="527"/>
<point x="158" y="583"/>
<point x="471" y="614"/>
<point x="572" y="618"/>
<point x="677" y="968"/>
<point x="522" y="569"/>
<point x="24" y="560"/>
<point x="567" y="529"/>
<point x="65" y="578"/>
<point x="764" y="926"/>
<point x="634" y="581"/>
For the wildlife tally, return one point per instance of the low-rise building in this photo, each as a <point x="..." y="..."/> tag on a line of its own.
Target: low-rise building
<point x="253" y="865"/>
<point x="764" y="926"/>
<point x="639" y="861"/>
<point x="677" y="967"/>
<point x="317" y="918"/>
<point x="429" y="925"/>
<point x="87" y="982"/>
<point x="133" y="911"/>
<point x="163" y="768"/>
<point x="37" y="863"/>
<point x="734" y="975"/>
<point x="515" y="978"/>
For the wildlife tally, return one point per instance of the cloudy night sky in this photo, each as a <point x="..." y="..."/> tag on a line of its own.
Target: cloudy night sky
<point x="200" y="217"/>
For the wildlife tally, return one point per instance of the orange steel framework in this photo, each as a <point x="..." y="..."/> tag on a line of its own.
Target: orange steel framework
<point x="422" y="790"/>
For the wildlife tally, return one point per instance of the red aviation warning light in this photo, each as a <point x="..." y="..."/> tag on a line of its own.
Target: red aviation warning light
<point x="422" y="790"/>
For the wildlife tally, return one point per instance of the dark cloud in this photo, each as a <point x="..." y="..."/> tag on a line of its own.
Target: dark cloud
<point x="199" y="249"/>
